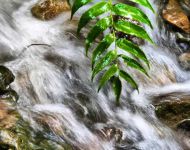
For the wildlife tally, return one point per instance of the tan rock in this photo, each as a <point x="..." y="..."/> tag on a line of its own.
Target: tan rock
<point x="174" y="14"/>
<point x="184" y="60"/>
<point x="8" y="116"/>
<point x="49" y="9"/>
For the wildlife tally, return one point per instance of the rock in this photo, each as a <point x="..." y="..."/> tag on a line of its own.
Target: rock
<point x="6" y="77"/>
<point x="160" y="75"/>
<point x="8" y="116"/>
<point x="173" y="108"/>
<point x="21" y="136"/>
<point x="110" y="133"/>
<point x="184" y="60"/>
<point x="174" y="14"/>
<point x="184" y="125"/>
<point x="183" y="41"/>
<point x="49" y="9"/>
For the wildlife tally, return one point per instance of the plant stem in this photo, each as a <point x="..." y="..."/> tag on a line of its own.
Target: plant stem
<point x="111" y="15"/>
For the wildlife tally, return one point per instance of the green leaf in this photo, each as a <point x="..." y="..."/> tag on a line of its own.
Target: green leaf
<point x="109" y="73"/>
<point x="132" y="13"/>
<point x="132" y="49"/>
<point x="77" y="4"/>
<point x="143" y="3"/>
<point x="132" y="29"/>
<point x="105" y="61"/>
<point x="128" y="78"/>
<point x="104" y="44"/>
<point x="92" y="13"/>
<point x="100" y="26"/>
<point x="133" y="64"/>
<point x="117" y="87"/>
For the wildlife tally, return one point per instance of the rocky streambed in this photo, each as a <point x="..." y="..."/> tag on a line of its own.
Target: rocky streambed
<point x="56" y="106"/>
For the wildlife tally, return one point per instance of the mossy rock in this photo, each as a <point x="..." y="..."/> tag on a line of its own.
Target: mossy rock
<point x="22" y="137"/>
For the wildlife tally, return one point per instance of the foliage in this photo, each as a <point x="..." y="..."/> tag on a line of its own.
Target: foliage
<point x="110" y="60"/>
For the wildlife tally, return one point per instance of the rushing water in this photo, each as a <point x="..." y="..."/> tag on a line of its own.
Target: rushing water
<point x="53" y="82"/>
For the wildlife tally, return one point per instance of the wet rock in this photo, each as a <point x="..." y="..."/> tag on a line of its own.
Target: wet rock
<point x="6" y="77"/>
<point x="173" y="108"/>
<point x="184" y="125"/>
<point x="9" y="95"/>
<point x="183" y="41"/>
<point x="21" y="136"/>
<point x="49" y="9"/>
<point x="174" y="14"/>
<point x="184" y="60"/>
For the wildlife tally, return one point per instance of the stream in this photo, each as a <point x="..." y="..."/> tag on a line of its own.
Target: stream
<point x="57" y="97"/>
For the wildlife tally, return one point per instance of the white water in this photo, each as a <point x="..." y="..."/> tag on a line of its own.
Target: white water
<point x="51" y="80"/>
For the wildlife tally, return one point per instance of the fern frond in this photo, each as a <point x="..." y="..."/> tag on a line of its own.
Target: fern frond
<point x="110" y="60"/>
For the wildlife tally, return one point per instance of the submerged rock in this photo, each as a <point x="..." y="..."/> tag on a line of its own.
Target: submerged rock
<point x="110" y="133"/>
<point x="174" y="14"/>
<point x="184" y="60"/>
<point x="49" y="9"/>
<point x="160" y="75"/>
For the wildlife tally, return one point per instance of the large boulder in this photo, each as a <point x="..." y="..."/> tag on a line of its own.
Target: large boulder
<point x="49" y="9"/>
<point x="174" y="14"/>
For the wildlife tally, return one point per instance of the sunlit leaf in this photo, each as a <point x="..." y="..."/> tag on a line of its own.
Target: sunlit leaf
<point x="77" y="4"/>
<point x="128" y="78"/>
<point x="117" y="87"/>
<point x="133" y="64"/>
<point x="109" y="73"/>
<point x="132" y="49"/>
<point x="104" y="44"/>
<point x="100" y="26"/>
<point x="143" y="3"/>
<point x="92" y="13"/>
<point x="105" y="61"/>
<point x="132" y="29"/>
<point x="131" y="12"/>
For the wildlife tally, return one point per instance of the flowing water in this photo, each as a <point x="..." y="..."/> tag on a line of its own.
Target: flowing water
<point x="53" y="82"/>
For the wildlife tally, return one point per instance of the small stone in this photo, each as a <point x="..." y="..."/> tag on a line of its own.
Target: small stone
<point x="49" y="9"/>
